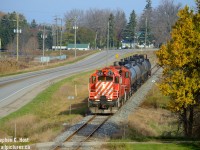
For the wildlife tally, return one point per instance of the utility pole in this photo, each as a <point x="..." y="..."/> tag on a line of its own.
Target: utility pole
<point x="75" y="27"/>
<point x="108" y="36"/>
<point x="60" y="35"/>
<point x="17" y="37"/>
<point x="53" y="36"/>
<point x="17" y="31"/>
<point x="56" y="19"/>
<point x="43" y="36"/>
<point x="96" y="40"/>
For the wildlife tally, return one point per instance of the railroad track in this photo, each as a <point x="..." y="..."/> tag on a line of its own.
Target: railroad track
<point x="85" y="131"/>
<point x="82" y="134"/>
<point x="154" y="69"/>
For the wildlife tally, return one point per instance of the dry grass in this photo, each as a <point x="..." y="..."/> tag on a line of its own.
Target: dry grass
<point x="152" y="119"/>
<point x="45" y="136"/>
<point x="11" y="66"/>
<point x="42" y="120"/>
<point x="23" y="125"/>
<point x="152" y="123"/>
<point x="155" y="99"/>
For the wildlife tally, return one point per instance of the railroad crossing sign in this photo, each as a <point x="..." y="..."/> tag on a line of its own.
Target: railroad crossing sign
<point x="70" y="107"/>
<point x="70" y="97"/>
<point x="117" y="56"/>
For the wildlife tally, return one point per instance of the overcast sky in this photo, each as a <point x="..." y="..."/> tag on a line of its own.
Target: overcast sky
<point x="43" y="11"/>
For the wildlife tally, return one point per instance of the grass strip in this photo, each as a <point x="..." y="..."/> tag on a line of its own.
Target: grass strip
<point x="42" y="119"/>
<point x="153" y="146"/>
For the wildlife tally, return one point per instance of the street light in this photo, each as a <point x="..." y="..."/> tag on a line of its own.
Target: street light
<point x="75" y="27"/>
<point x="60" y="34"/>
<point x="17" y="31"/>
<point x="95" y="40"/>
<point x="43" y="36"/>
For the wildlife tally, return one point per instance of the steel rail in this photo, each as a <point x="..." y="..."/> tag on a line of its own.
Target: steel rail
<point x="59" y="144"/>
<point x="90" y="135"/>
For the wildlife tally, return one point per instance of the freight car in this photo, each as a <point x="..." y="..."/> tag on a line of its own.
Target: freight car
<point x="111" y="87"/>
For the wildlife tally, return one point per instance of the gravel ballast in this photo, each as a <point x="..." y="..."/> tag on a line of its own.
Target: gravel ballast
<point x="120" y="118"/>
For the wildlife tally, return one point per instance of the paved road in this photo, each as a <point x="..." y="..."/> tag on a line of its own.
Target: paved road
<point x="16" y="91"/>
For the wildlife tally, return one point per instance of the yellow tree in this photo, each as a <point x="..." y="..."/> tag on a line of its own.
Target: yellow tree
<point x="180" y="59"/>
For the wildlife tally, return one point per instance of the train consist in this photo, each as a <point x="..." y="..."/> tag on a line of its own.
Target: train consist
<point x="111" y="87"/>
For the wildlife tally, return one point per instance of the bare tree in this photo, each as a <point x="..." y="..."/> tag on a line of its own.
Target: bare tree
<point x="75" y="14"/>
<point x="97" y="20"/>
<point x="163" y="18"/>
<point x="120" y="23"/>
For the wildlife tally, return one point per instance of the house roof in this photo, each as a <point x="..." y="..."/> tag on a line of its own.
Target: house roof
<point x="78" y="45"/>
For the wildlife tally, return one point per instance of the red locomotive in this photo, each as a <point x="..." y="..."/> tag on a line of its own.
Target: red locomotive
<point x="111" y="87"/>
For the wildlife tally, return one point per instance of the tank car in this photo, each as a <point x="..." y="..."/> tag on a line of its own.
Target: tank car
<point x="111" y="87"/>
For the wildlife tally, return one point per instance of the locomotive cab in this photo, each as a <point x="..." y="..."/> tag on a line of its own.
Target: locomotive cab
<point x="101" y="89"/>
<point x="110" y="87"/>
<point x="105" y="89"/>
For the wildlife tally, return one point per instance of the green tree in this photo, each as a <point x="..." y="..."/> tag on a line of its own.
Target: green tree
<point x="148" y="5"/>
<point x="7" y="27"/>
<point x="145" y="24"/>
<point x="111" y="30"/>
<point x="180" y="59"/>
<point x="120" y="23"/>
<point x="40" y="40"/>
<point x="8" y="24"/>
<point x="129" y="31"/>
<point x="68" y="35"/>
<point x="198" y="5"/>
<point x="48" y="37"/>
<point x="85" y="36"/>
<point x="33" y="24"/>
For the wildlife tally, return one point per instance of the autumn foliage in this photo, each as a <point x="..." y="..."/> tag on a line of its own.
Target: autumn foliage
<point x="180" y="59"/>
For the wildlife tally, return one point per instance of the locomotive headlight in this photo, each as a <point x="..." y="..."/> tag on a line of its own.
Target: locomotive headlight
<point x="110" y="97"/>
<point x="95" y="97"/>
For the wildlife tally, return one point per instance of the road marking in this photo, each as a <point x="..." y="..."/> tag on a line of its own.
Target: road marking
<point x="38" y="83"/>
